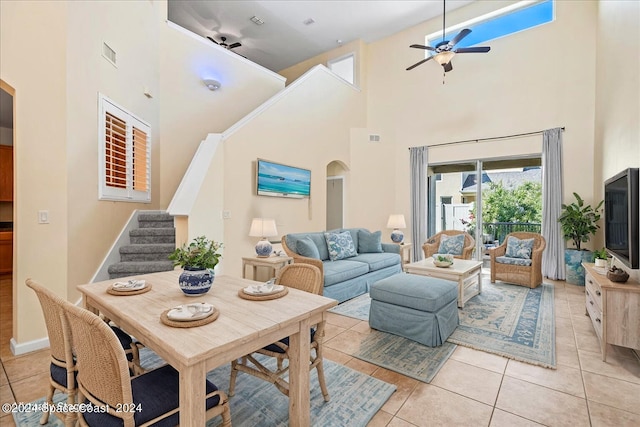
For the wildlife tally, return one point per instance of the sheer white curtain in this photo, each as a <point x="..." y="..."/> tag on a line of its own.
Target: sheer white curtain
<point x="552" y="194"/>
<point x="418" y="160"/>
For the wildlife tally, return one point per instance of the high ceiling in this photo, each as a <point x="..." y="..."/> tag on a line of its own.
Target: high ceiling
<point x="286" y="37"/>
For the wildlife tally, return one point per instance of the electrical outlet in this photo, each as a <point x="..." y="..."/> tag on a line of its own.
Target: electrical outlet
<point x="226" y="214"/>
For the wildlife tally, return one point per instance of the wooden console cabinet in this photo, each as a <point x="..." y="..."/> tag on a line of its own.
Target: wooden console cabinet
<point x="614" y="309"/>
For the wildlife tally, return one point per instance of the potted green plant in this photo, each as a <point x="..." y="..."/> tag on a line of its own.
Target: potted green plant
<point x="600" y="257"/>
<point x="198" y="259"/>
<point x="579" y="223"/>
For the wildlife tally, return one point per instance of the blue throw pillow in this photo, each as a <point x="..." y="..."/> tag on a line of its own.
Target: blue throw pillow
<point x="369" y="242"/>
<point x="340" y="245"/>
<point x="306" y="247"/>
<point x="451" y="244"/>
<point x="517" y="248"/>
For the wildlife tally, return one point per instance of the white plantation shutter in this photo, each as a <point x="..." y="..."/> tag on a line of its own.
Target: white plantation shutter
<point x="125" y="155"/>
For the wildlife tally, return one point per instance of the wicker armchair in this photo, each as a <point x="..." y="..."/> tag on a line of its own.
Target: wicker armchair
<point x="432" y="244"/>
<point x="103" y="380"/>
<point x="306" y="278"/>
<point x="530" y="276"/>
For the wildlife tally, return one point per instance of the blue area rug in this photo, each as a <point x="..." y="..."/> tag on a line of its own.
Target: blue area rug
<point x="355" y="398"/>
<point x="357" y="307"/>
<point x="512" y="321"/>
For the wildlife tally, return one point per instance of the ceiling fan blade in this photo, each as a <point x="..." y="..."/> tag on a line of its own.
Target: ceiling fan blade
<point x="233" y="45"/>
<point x="419" y="46"/>
<point x="210" y="38"/>
<point x="448" y="67"/>
<point x="462" y="34"/>
<point x="478" y="49"/>
<point x="419" y="63"/>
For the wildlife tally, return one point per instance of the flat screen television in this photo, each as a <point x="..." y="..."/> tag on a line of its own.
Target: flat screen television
<point x="276" y="179"/>
<point x="621" y="215"/>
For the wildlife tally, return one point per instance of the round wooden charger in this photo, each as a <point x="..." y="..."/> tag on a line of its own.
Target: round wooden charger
<point x="112" y="291"/>
<point x="242" y="294"/>
<point x="188" y="324"/>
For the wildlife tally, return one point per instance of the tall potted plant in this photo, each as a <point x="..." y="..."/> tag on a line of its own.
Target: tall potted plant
<point x="198" y="260"/>
<point x="579" y="223"/>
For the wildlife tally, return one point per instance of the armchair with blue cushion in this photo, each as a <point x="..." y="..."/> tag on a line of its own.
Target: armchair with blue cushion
<point x="458" y="243"/>
<point x="518" y="260"/>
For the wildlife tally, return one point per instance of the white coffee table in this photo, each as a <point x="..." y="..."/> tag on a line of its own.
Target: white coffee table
<point x="466" y="272"/>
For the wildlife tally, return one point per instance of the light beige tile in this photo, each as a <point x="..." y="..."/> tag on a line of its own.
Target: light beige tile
<point x="587" y="342"/>
<point x="605" y="416"/>
<point x="399" y="422"/>
<point x="480" y="359"/>
<point x="347" y="342"/>
<point x="541" y="404"/>
<point x="429" y="405"/>
<point x="404" y="384"/>
<point x="335" y="355"/>
<point x="362" y="366"/>
<point x="343" y="321"/>
<point x="6" y="395"/>
<point x="380" y="419"/>
<point x="362" y="327"/>
<point x="469" y="381"/>
<point x="563" y="378"/>
<point x="562" y="310"/>
<point x="3" y="377"/>
<point x="27" y="365"/>
<point x="622" y="368"/>
<point x="331" y="331"/>
<point x="31" y="388"/>
<point x="612" y="392"/>
<point x="567" y="354"/>
<point x="6" y="420"/>
<point x="501" y="418"/>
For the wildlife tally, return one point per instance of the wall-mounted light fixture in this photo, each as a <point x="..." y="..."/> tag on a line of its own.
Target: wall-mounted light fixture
<point x="212" y="84"/>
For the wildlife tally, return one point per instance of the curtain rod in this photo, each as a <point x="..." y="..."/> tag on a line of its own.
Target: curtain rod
<point x="488" y="139"/>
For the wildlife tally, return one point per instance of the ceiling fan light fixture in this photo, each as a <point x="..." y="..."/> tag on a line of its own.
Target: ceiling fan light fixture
<point x="444" y="57"/>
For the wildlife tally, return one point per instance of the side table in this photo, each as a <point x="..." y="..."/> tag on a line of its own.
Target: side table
<point x="405" y="252"/>
<point x="274" y="262"/>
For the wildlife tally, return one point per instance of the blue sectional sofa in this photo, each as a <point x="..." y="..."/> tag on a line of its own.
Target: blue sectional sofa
<point x="353" y="275"/>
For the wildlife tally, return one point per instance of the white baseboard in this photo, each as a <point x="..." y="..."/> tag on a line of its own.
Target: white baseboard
<point x="29" y="346"/>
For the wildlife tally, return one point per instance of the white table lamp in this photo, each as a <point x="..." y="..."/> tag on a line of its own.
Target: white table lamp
<point x="396" y="221"/>
<point x="263" y="227"/>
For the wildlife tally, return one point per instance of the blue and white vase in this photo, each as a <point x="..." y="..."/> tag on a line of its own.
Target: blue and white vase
<point x="195" y="281"/>
<point x="397" y="236"/>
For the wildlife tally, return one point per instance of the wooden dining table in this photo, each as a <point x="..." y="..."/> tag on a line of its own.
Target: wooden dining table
<point x="242" y="327"/>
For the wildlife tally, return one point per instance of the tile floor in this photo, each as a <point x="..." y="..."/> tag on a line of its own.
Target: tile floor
<point x="473" y="388"/>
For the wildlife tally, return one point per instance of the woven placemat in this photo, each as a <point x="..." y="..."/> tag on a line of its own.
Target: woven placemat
<point x="112" y="291"/>
<point x="190" y="324"/>
<point x="242" y="294"/>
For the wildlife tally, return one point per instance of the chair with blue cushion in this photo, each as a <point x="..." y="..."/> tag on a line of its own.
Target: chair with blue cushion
<point x="307" y="278"/>
<point x="458" y="243"/>
<point x="104" y="382"/>
<point x="518" y="260"/>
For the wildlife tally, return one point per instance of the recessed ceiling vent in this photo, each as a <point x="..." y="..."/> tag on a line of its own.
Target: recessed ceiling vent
<point x="374" y="138"/>
<point x="108" y="53"/>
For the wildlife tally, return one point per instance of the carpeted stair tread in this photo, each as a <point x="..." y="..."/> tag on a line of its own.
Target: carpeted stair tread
<point x="131" y="268"/>
<point x="148" y="248"/>
<point x="154" y="216"/>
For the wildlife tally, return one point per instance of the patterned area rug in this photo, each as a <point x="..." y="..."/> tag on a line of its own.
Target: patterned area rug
<point x="404" y="356"/>
<point x="355" y="398"/>
<point x="511" y="321"/>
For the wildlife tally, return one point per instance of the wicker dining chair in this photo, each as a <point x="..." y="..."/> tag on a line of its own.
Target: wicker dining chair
<point x="432" y="244"/>
<point x="306" y="278"/>
<point x="62" y="369"/>
<point x="103" y="380"/>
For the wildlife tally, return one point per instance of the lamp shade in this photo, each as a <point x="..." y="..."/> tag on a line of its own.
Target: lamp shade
<point x="444" y="57"/>
<point x="263" y="227"/>
<point x="396" y="221"/>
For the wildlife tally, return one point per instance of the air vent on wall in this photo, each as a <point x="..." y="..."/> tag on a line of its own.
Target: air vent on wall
<point x="374" y="138"/>
<point x="108" y="53"/>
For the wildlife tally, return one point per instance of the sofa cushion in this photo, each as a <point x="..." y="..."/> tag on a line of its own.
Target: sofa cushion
<point x="517" y="248"/>
<point x="513" y="261"/>
<point x="342" y="270"/>
<point x="377" y="261"/>
<point x="307" y="247"/>
<point x="317" y="238"/>
<point x="340" y="245"/>
<point x="369" y="242"/>
<point x="451" y="244"/>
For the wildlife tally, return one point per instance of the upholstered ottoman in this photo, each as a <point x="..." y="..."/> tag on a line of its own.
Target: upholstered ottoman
<point x="423" y="309"/>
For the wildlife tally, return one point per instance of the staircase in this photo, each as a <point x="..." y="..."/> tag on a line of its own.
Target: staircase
<point x="150" y="245"/>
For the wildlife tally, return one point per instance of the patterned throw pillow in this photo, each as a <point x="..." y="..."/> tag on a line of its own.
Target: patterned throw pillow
<point x="340" y="245"/>
<point x="451" y="244"/>
<point x="517" y="248"/>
